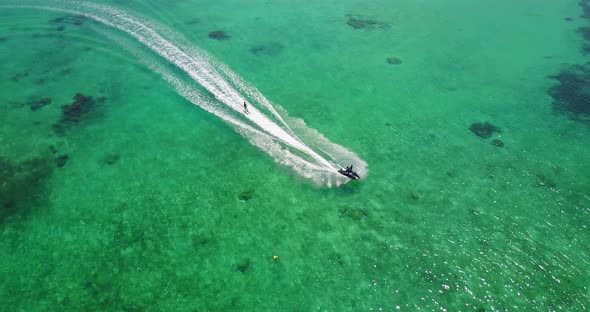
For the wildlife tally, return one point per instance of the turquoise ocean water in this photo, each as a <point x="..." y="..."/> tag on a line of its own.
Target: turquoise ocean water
<point x="119" y="194"/>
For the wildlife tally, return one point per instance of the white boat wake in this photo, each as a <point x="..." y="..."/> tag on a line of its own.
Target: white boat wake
<point x="287" y="140"/>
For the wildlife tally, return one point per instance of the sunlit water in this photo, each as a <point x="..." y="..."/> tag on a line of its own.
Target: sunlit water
<point x="158" y="193"/>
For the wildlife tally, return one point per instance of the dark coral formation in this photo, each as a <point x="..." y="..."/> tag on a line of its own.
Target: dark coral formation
<point x="497" y="143"/>
<point x="357" y="22"/>
<point x="545" y="181"/>
<point x="81" y="106"/>
<point x="36" y="104"/>
<point x="73" y="113"/>
<point x="218" y="35"/>
<point x="243" y="266"/>
<point x="19" y="76"/>
<point x="394" y="60"/>
<point x="484" y="130"/>
<point x="246" y="195"/>
<point x="270" y="49"/>
<point x="61" y="22"/>
<point x="19" y="182"/>
<point x="111" y="159"/>
<point x="585" y="5"/>
<point x="585" y="31"/>
<point x="77" y="20"/>
<point x="40" y="81"/>
<point x="572" y="95"/>
<point x="61" y="160"/>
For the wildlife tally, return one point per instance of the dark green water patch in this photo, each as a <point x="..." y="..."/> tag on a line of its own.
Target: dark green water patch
<point x="20" y="182"/>
<point x="246" y="195"/>
<point x="484" y="130"/>
<point x="359" y="22"/>
<point x="497" y="143"/>
<point x="571" y="96"/>
<point x="393" y="60"/>
<point x="36" y="104"/>
<point x="269" y="49"/>
<point x="111" y="159"/>
<point x="545" y="181"/>
<point x="17" y="77"/>
<point x="62" y="160"/>
<point x="61" y="22"/>
<point x="70" y="19"/>
<point x="76" y="112"/>
<point x="81" y="106"/>
<point x="52" y="149"/>
<point x="243" y="266"/>
<point x="415" y="195"/>
<point x="585" y="5"/>
<point x="218" y="35"/>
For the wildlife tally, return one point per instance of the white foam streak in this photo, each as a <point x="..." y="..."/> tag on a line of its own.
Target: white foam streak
<point x="259" y="128"/>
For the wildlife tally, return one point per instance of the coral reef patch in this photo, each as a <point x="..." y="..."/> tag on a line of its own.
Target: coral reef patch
<point x="585" y="31"/>
<point x="393" y="60"/>
<point x="585" y="5"/>
<point x="571" y="95"/>
<point x="358" y="22"/>
<point x="62" y="160"/>
<point x="77" y="20"/>
<point x="497" y="143"/>
<point x="218" y="35"/>
<point x="111" y="159"/>
<point x="484" y="130"/>
<point x="246" y="195"/>
<point x="61" y="22"/>
<point x="75" y="112"/>
<point x="36" y="104"/>
<point x="243" y="266"/>
<point x="81" y="106"/>
<point x="20" y="182"/>
<point x="545" y="181"/>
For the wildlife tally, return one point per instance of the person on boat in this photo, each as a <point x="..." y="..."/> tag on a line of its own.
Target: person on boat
<point x="246" y="107"/>
<point x="349" y="169"/>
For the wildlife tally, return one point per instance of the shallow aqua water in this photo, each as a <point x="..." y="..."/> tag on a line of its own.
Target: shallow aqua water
<point x="163" y="206"/>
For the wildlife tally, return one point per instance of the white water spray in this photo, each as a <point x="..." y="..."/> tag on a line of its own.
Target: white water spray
<point x="281" y="138"/>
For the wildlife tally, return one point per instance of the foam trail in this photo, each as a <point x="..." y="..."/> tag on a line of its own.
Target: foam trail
<point x="260" y="129"/>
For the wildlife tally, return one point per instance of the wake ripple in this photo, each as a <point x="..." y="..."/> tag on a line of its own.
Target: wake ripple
<point x="287" y="140"/>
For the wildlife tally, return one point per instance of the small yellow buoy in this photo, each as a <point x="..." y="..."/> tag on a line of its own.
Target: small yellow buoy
<point x="275" y="258"/>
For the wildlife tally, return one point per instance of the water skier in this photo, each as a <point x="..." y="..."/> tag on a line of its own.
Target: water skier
<point x="246" y="108"/>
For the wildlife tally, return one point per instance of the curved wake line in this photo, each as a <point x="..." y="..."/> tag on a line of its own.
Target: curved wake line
<point x="270" y="136"/>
